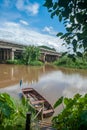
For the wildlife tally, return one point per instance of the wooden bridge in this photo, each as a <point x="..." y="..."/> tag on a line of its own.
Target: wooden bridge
<point x="10" y="50"/>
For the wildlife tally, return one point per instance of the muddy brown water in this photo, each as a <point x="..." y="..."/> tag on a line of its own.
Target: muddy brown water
<point x="50" y="81"/>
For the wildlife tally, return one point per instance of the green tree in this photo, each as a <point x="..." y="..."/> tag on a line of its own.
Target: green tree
<point x="31" y="53"/>
<point x="73" y="13"/>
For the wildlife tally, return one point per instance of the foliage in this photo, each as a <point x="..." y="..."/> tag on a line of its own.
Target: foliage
<point x="16" y="61"/>
<point x="13" y="113"/>
<point x="31" y="53"/>
<point x="36" y="63"/>
<point x="46" y="47"/>
<point x="74" y="114"/>
<point x="30" y="57"/>
<point x="73" y="13"/>
<point x="78" y="62"/>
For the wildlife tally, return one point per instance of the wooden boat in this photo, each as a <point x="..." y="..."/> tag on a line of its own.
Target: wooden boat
<point x="38" y="102"/>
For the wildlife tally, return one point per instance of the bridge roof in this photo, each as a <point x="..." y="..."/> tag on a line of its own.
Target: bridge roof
<point x="9" y="44"/>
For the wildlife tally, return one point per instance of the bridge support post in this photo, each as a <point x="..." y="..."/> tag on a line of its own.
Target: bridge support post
<point x="44" y="58"/>
<point x="12" y="54"/>
<point x="8" y="54"/>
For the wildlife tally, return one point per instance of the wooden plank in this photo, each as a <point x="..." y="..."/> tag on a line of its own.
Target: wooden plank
<point x="48" y="111"/>
<point x="37" y="102"/>
<point x="27" y="89"/>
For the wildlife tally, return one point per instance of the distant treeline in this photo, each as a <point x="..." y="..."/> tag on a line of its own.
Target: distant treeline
<point x="46" y="47"/>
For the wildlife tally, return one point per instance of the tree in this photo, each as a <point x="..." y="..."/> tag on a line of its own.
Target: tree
<point x="73" y="13"/>
<point x="31" y="53"/>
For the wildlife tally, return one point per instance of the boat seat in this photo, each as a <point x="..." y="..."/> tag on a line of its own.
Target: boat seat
<point x="26" y="90"/>
<point x="47" y="111"/>
<point x="37" y="102"/>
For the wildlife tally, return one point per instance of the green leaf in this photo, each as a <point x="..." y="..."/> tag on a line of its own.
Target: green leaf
<point x="77" y="96"/>
<point x="60" y="100"/>
<point x="2" y="127"/>
<point x="60" y="17"/>
<point x="9" y="127"/>
<point x="83" y="119"/>
<point x="74" y="43"/>
<point x="72" y="56"/>
<point x="66" y="35"/>
<point x="22" y="114"/>
<point x="55" y="5"/>
<point x="82" y="5"/>
<point x="57" y="12"/>
<point x="52" y="14"/>
<point x="85" y="43"/>
<point x="66" y="101"/>
<point x="80" y="46"/>
<point x="79" y="54"/>
<point x="79" y="17"/>
<point x="6" y="110"/>
<point x="48" y="4"/>
<point x="59" y="34"/>
<point x="63" y="44"/>
<point x="49" y="10"/>
<point x="24" y="101"/>
<point x="63" y="54"/>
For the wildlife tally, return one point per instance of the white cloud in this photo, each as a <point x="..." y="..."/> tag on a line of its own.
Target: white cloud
<point x="11" y="24"/>
<point x="27" y="6"/>
<point x="14" y="32"/>
<point x="33" y="8"/>
<point x="24" y="22"/>
<point x="49" y="30"/>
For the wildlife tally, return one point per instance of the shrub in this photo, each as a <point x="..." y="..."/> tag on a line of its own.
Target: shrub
<point x="36" y="63"/>
<point x="14" y="62"/>
<point x="13" y="113"/>
<point x="74" y="114"/>
<point x="69" y="62"/>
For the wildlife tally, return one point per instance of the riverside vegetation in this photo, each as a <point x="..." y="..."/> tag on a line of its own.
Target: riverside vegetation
<point x="30" y="56"/>
<point x="74" y="113"/>
<point x="13" y="113"/>
<point x="72" y="117"/>
<point x="70" y="62"/>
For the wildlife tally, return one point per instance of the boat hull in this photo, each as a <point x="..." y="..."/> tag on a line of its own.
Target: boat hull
<point x="39" y="102"/>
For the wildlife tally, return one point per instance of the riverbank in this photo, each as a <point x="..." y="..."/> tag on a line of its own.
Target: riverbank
<point x="15" y="92"/>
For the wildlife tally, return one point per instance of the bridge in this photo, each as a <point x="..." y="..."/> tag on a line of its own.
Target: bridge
<point x="9" y="50"/>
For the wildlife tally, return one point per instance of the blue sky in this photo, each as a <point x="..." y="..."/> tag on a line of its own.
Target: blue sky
<point x="28" y="22"/>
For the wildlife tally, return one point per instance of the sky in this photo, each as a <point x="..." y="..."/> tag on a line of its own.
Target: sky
<point x="28" y="22"/>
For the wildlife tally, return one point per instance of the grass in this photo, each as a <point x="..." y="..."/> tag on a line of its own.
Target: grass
<point x="36" y="63"/>
<point x="14" y="62"/>
<point x="33" y="63"/>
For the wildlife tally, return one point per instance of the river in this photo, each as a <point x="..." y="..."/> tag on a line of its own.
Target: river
<point x="50" y="81"/>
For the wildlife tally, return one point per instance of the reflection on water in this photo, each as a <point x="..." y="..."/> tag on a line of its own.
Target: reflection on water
<point x="12" y="74"/>
<point x="51" y="82"/>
